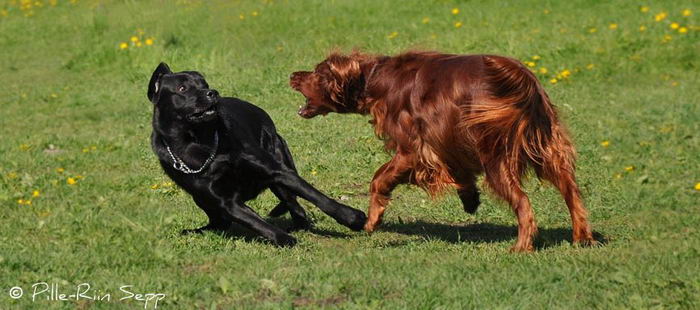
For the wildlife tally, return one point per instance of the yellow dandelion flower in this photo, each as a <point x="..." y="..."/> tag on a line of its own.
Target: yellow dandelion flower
<point x="683" y="30"/>
<point x="20" y="201"/>
<point x="543" y="70"/>
<point x="530" y="64"/>
<point x="687" y="12"/>
<point x="24" y="146"/>
<point x="590" y="66"/>
<point x="28" y="202"/>
<point x="254" y="13"/>
<point x="71" y="181"/>
<point x="612" y="26"/>
<point x="138" y="44"/>
<point x="536" y="57"/>
<point x="458" y="24"/>
<point x="661" y="16"/>
<point x="566" y="73"/>
<point x="425" y="20"/>
<point x="241" y="16"/>
<point x="35" y="193"/>
<point x="455" y="11"/>
<point x="154" y="186"/>
<point x="553" y="81"/>
<point x="545" y="11"/>
<point x="697" y="186"/>
<point x="675" y="25"/>
<point x="618" y="175"/>
<point x="393" y="35"/>
<point x="123" y="46"/>
<point x="314" y="172"/>
<point x="642" y="28"/>
<point x="149" y="41"/>
<point x="134" y="39"/>
<point x="667" y="38"/>
<point x="592" y="30"/>
<point x="53" y="95"/>
<point x="674" y="83"/>
<point x="644" y="9"/>
<point x="629" y="168"/>
<point x="605" y="143"/>
<point x="85" y="150"/>
<point x="60" y="170"/>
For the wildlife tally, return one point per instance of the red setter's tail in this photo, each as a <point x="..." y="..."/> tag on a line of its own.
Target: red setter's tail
<point x="514" y="123"/>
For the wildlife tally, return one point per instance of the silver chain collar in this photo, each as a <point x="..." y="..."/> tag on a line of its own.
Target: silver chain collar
<point x="180" y="165"/>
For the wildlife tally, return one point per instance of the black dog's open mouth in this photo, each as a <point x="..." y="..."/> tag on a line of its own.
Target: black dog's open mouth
<point x="204" y="115"/>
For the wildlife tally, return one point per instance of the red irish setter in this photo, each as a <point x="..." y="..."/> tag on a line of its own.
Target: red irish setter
<point x="448" y="118"/>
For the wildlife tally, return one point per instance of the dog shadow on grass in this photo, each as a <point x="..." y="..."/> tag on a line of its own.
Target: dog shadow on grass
<point x="448" y="232"/>
<point x="482" y="233"/>
<point x="240" y="232"/>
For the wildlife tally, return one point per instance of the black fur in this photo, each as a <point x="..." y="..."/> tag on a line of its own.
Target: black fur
<point x="249" y="157"/>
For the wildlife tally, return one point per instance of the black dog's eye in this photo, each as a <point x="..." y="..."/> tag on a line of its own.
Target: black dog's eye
<point x="181" y="88"/>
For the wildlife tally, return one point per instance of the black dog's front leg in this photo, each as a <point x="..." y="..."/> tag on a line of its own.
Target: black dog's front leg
<point x="290" y="180"/>
<point x="217" y="220"/>
<point x="244" y="215"/>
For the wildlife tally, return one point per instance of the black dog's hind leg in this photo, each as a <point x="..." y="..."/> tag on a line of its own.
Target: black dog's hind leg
<point x="244" y="215"/>
<point x="218" y="219"/>
<point x="283" y="155"/>
<point x="289" y="202"/>
<point x="292" y="182"/>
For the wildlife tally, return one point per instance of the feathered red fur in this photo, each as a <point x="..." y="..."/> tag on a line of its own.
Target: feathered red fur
<point x="448" y="118"/>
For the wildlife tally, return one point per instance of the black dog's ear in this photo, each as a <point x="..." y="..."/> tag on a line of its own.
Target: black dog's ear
<point x="154" y="84"/>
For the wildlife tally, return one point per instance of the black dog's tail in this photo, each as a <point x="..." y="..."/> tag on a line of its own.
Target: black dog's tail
<point x="281" y="208"/>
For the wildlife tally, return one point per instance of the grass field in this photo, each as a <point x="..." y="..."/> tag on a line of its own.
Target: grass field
<point x="84" y="200"/>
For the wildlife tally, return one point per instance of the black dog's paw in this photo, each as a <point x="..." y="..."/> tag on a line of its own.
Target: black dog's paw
<point x="358" y="221"/>
<point x="470" y="202"/>
<point x="284" y="240"/>
<point x="352" y="218"/>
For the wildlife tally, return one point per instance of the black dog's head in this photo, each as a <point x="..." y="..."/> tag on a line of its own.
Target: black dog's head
<point x="183" y="95"/>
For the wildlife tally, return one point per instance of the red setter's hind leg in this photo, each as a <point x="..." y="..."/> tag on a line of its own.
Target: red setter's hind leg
<point x="564" y="180"/>
<point x="506" y="185"/>
<point x="387" y="177"/>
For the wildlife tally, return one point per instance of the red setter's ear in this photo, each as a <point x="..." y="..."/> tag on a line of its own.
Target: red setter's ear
<point x="297" y="78"/>
<point x="343" y="78"/>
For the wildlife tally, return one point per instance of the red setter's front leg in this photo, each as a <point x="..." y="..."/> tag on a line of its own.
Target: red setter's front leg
<point x="388" y="176"/>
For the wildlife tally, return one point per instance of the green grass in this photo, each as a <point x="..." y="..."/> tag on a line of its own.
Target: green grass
<point x="66" y="87"/>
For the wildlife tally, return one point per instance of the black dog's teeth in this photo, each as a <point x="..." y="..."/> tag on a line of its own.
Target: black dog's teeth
<point x="204" y="113"/>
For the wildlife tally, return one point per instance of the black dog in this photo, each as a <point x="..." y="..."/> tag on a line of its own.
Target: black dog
<point x="224" y="152"/>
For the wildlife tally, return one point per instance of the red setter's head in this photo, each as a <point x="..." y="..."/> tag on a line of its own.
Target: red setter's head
<point x="334" y="86"/>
